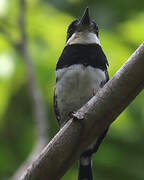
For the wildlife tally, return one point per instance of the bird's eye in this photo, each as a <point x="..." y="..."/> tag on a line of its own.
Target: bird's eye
<point x="95" y="27"/>
<point x="70" y="31"/>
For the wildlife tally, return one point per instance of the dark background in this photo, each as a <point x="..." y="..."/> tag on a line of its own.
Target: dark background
<point x="121" y="25"/>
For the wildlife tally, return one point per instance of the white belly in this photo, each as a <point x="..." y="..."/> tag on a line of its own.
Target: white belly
<point x="75" y="86"/>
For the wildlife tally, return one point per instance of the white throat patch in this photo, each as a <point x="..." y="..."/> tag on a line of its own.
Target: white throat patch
<point x="83" y="38"/>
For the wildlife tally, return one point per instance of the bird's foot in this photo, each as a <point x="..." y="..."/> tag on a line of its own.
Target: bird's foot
<point x="71" y="114"/>
<point x="77" y="115"/>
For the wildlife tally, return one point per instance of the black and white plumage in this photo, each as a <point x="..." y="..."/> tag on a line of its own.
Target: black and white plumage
<point x="81" y="70"/>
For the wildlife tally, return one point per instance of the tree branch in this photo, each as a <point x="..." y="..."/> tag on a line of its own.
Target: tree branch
<point x="38" y="104"/>
<point x="90" y="121"/>
<point x="22" y="48"/>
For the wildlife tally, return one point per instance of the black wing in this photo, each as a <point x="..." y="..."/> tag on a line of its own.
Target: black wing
<point x="56" y="110"/>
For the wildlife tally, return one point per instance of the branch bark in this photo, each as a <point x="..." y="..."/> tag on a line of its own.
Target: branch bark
<point x="90" y="121"/>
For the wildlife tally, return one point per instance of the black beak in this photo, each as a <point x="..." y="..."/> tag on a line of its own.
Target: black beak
<point x="85" y="20"/>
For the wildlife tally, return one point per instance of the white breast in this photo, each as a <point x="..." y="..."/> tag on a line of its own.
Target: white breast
<point x="75" y="86"/>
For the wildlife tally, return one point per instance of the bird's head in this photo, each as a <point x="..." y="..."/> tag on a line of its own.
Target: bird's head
<point x="83" y="31"/>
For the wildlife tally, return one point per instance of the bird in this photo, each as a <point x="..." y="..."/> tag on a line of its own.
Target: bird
<point x="81" y="71"/>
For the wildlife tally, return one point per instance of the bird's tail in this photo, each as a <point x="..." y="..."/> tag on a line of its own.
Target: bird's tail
<point x="85" y="169"/>
<point x="85" y="166"/>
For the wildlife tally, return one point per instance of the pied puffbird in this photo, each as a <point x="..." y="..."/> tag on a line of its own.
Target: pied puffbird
<point x="80" y="72"/>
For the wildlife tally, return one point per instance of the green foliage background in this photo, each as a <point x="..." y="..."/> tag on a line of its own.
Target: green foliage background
<point x="121" y="26"/>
